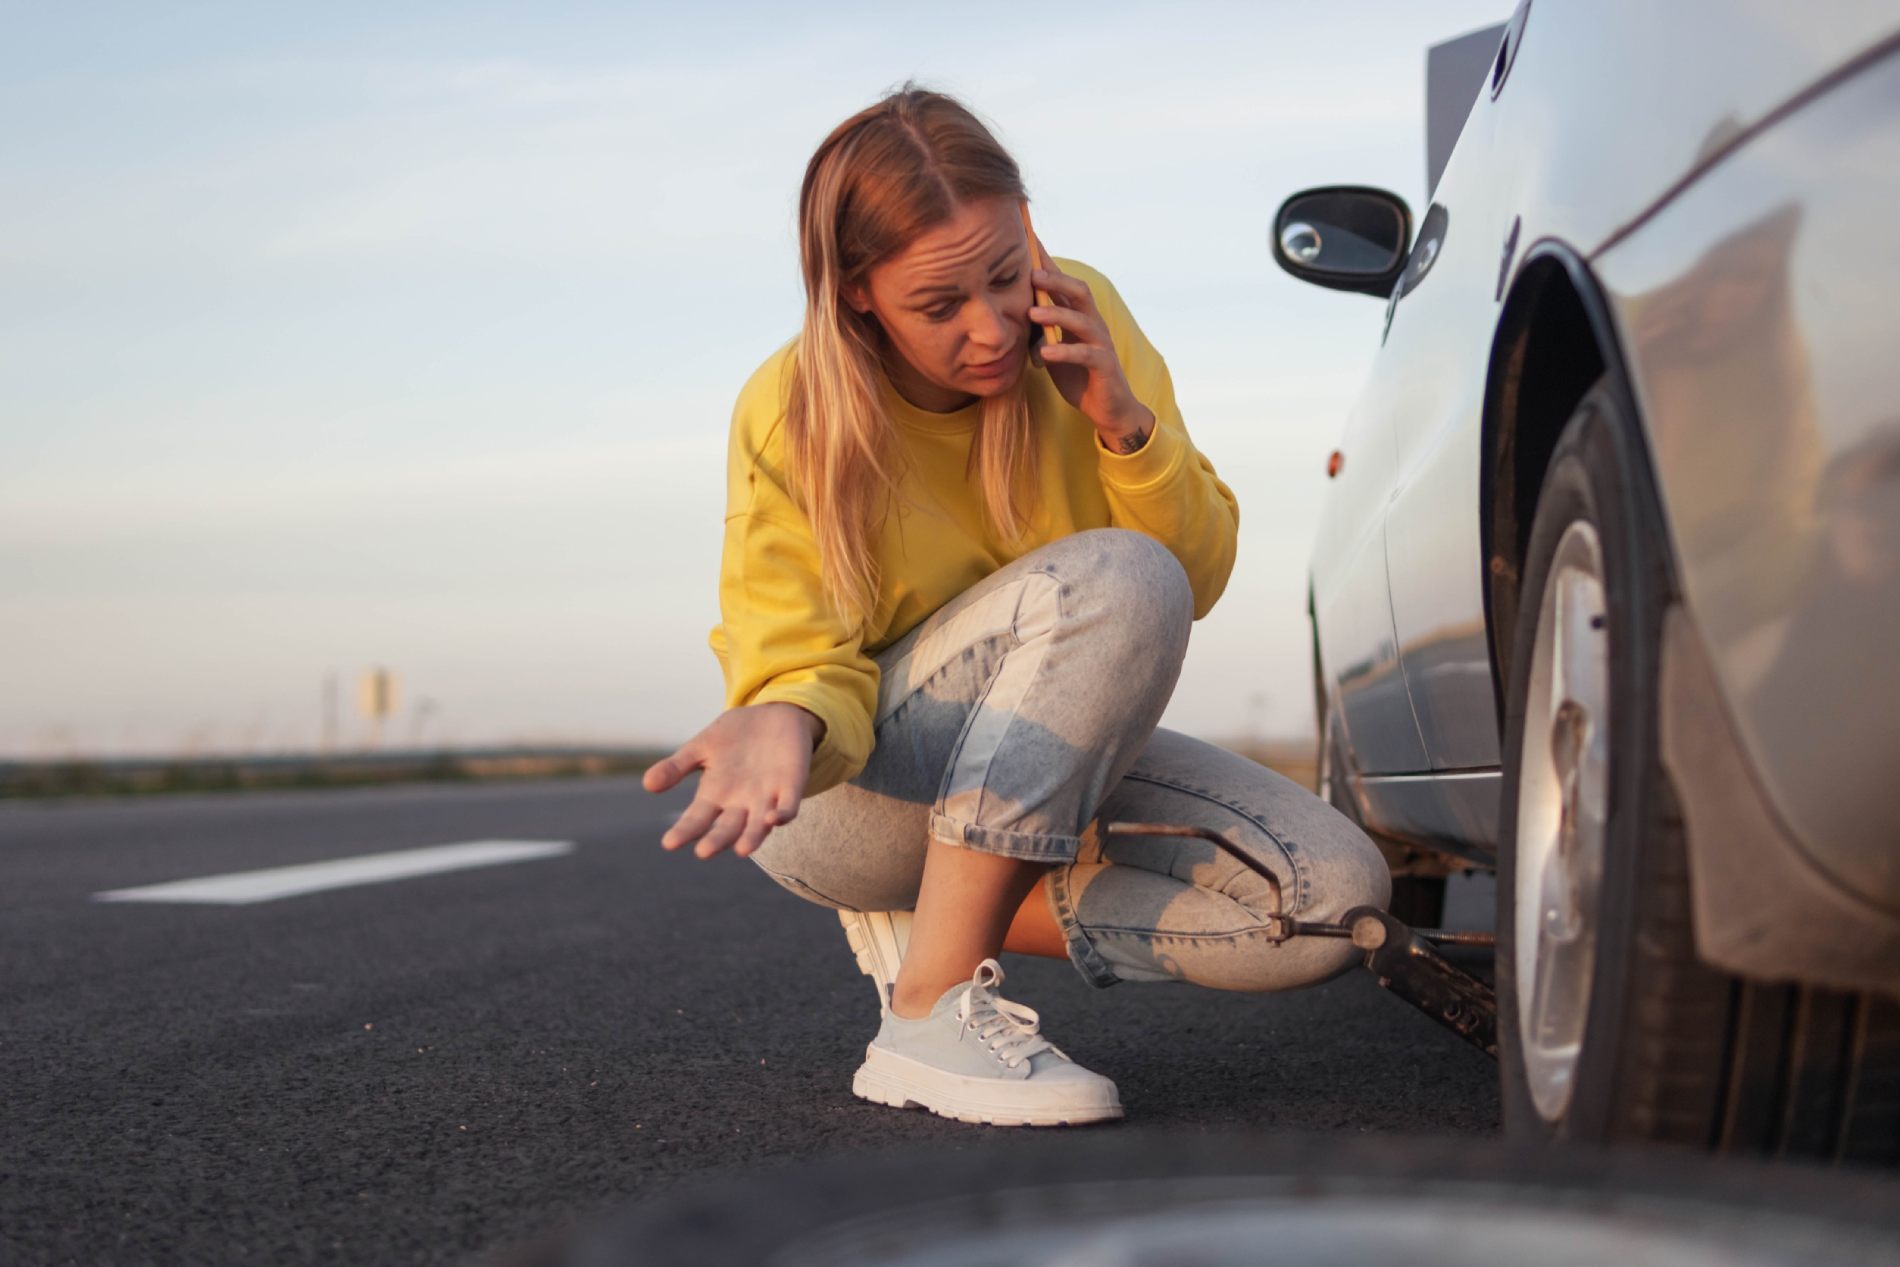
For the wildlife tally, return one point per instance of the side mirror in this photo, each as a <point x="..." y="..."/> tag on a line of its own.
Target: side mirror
<point x="1344" y="237"/>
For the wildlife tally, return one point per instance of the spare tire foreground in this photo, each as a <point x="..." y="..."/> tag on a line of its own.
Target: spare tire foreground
<point x="1136" y="1199"/>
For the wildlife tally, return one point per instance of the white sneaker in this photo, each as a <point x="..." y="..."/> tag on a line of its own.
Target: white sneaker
<point x="980" y="1058"/>
<point x="878" y="939"/>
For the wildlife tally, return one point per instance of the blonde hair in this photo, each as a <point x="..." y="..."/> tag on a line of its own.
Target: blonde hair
<point x="884" y="176"/>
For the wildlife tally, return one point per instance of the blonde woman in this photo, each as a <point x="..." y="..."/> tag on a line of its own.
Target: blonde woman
<point x="961" y="559"/>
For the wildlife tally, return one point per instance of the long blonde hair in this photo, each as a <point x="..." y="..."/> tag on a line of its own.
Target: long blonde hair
<point x="884" y="176"/>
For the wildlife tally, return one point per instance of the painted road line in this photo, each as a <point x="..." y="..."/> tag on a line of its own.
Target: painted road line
<point x="241" y="888"/>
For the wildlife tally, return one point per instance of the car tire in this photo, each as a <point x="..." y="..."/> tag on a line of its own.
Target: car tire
<point x="1593" y="880"/>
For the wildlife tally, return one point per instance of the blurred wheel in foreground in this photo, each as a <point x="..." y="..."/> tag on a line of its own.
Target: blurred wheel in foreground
<point x="1137" y="1199"/>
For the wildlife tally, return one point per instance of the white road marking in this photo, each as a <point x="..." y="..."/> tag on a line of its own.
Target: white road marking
<point x="244" y="887"/>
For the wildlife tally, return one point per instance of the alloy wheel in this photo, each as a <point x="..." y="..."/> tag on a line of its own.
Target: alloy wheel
<point x="1562" y="812"/>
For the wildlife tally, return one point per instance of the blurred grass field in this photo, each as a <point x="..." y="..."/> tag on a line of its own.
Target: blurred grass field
<point x="51" y="780"/>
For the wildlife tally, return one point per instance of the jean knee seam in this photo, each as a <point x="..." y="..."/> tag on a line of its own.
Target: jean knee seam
<point x="976" y="706"/>
<point x="1302" y="881"/>
<point x="969" y="722"/>
<point x="968" y="653"/>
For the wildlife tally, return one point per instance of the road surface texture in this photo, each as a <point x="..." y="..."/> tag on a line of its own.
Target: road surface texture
<point x="430" y="1067"/>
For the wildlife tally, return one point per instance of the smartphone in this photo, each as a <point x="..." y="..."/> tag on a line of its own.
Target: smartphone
<point x="1037" y="259"/>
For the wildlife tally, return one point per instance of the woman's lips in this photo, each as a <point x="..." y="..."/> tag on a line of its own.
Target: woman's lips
<point x="993" y="369"/>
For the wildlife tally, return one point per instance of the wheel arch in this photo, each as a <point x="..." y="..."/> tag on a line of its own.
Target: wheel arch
<point x="1554" y="339"/>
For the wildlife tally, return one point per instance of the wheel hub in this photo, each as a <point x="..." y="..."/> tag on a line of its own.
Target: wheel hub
<point x="1563" y="800"/>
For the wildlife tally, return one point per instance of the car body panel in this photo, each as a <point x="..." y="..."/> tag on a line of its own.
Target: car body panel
<point x="1359" y="658"/>
<point x="1454" y="815"/>
<point x="1758" y="320"/>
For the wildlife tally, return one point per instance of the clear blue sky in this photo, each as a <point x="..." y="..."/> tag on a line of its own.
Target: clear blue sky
<point x="346" y="335"/>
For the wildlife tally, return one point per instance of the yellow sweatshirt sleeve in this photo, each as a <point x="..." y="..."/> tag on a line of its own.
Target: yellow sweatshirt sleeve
<point x="778" y="640"/>
<point x="1165" y="489"/>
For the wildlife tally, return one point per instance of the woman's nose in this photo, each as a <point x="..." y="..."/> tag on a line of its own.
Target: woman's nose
<point x="990" y="325"/>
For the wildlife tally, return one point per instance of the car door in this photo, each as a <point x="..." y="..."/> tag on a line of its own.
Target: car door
<point x="1358" y="647"/>
<point x="1431" y="382"/>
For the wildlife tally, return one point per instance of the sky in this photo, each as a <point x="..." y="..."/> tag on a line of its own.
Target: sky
<point x="407" y="335"/>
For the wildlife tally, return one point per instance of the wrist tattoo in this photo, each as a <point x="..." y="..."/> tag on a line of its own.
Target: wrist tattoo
<point x="1131" y="442"/>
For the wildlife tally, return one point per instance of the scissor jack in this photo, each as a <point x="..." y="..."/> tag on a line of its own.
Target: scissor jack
<point x="1401" y="958"/>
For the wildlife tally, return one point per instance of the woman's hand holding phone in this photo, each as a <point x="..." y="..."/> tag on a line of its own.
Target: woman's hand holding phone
<point x="1084" y="365"/>
<point x="754" y="761"/>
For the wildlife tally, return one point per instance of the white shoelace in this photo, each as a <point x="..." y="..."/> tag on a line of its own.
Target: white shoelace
<point x="1010" y="1030"/>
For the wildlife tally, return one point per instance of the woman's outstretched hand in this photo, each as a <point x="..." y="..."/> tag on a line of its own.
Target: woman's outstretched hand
<point x="1084" y="366"/>
<point x="754" y="761"/>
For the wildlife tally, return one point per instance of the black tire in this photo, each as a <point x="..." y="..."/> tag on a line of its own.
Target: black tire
<point x="1673" y="1050"/>
<point x="1144" y="1197"/>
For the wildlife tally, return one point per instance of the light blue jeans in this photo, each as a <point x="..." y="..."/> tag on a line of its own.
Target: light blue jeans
<point x="1020" y="719"/>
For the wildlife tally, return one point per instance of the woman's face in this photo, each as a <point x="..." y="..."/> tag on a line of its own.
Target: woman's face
<point x="955" y="307"/>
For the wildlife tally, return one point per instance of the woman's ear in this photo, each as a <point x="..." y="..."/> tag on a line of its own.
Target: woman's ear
<point x="855" y="298"/>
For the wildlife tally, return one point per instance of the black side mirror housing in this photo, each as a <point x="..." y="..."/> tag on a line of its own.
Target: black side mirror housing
<point x="1344" y="237"/>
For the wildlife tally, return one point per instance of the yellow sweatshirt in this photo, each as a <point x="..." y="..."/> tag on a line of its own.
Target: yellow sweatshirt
<point x="779" y="640"/>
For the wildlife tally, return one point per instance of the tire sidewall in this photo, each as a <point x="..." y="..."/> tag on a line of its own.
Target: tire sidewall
<point x="1595" y="474"/>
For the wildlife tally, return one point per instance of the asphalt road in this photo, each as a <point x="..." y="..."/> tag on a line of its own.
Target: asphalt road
<point x="430" y="1068"/>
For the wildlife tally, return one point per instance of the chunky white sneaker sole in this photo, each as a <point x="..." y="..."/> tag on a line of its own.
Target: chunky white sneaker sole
<point x="885" y="1077"/>
<point x="878" y="939"/>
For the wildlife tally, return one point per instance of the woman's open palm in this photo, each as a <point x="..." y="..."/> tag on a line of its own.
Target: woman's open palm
<point x="753" y="761"/>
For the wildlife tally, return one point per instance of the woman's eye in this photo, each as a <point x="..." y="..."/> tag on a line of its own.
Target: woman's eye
<point x="942" y="312"/>
<point x="1006" y="281"/>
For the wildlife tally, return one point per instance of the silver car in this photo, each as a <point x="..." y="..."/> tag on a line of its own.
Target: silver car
<point x="1606" y="594"/>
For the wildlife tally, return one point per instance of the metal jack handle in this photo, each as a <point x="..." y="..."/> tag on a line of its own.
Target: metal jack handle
<point x="1401" y="958"/>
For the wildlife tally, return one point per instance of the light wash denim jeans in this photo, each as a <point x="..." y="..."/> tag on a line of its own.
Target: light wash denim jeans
<point x="1020" y="719"/>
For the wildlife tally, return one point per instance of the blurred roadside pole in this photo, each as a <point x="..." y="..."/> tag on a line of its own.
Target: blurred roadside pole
<point x="376" y="700"/>
<point x="420" y="715"/>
